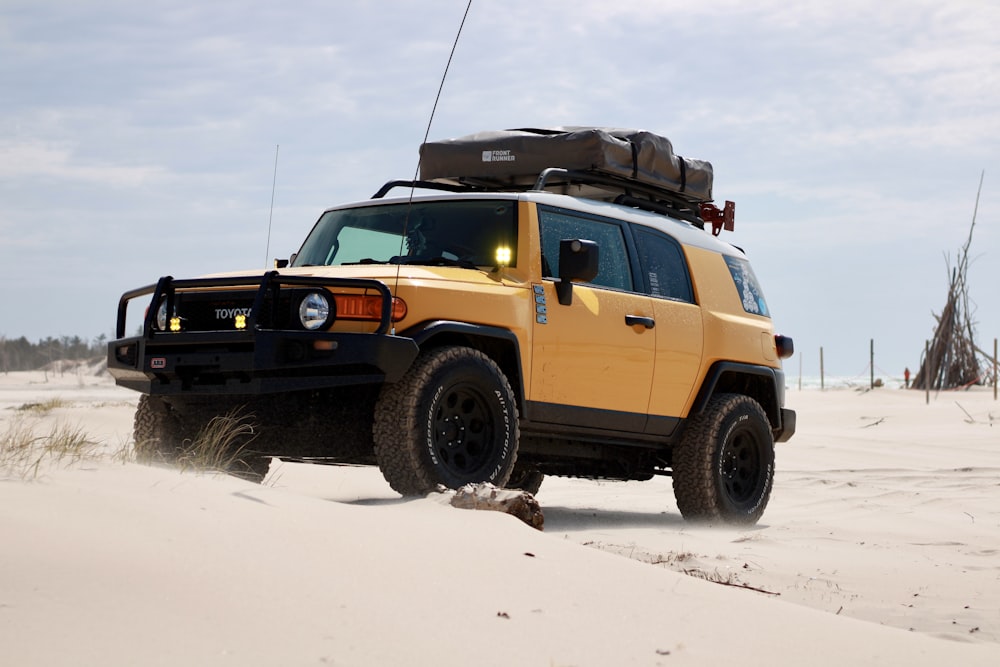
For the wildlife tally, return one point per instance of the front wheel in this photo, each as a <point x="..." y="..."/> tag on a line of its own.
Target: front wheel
<point x="197" y="436"/>
<point x="723" y="467"/>
<point x="158" y="431"/>
<point x="451" y="420"/>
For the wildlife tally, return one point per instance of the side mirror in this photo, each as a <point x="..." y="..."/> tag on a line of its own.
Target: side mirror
<point x="578" y="261"/>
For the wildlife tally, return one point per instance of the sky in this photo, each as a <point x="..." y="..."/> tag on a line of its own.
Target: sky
<point x="140" y="139"/>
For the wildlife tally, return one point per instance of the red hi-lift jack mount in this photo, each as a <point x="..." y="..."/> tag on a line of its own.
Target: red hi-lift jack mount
<point x="719" y="218"/>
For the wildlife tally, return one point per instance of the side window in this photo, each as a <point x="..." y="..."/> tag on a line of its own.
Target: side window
<point x="747" y="286"/>
<point x="664" y="265"/>
<point x="614" y="270"/>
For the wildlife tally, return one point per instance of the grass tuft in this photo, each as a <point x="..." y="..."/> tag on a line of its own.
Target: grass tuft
<point x="221" y="445"/>
<point x="24" y="454"/>
<point x="44" y="407"/>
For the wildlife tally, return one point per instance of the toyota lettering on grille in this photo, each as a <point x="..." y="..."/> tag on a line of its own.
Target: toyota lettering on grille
<point x="230" y="313"/>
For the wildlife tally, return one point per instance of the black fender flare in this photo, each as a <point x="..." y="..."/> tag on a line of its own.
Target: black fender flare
<point x="717" y="379"/>
<point x="455" y="332"/>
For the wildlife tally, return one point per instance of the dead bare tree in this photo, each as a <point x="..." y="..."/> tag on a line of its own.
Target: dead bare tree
<point x="950" y="360"/>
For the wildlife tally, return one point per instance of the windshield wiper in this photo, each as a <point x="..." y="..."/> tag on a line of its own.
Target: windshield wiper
<point x="439" y="260"/>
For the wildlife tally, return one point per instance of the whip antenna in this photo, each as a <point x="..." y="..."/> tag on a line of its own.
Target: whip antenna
<point x="427" y="133"/>
<point x="270" y="214"/>
<point x="441" y="86"/>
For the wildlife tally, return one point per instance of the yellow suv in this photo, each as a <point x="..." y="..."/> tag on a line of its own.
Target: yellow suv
<point x="525" y="309"/>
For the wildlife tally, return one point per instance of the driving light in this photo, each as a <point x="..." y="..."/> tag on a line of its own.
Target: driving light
<point x="241" y="322"/>
<point x="314" y="311"/>
<point x="175" y="324"/>
<point x="503" y="256"/>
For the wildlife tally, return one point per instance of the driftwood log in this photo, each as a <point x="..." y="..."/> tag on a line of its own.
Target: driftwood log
<point x="515" y="502"/>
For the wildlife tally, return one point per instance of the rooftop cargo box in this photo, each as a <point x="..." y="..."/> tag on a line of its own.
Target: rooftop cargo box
<point x="516" y="157"/>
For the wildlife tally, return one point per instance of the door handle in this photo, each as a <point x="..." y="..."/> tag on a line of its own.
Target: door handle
<point x="632" y="320"/>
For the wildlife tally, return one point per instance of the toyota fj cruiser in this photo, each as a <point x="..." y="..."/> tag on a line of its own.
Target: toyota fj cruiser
<point x="541" y="302"/>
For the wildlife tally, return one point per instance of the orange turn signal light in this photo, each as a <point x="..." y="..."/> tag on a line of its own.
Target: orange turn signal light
<point x="365" y="307"/>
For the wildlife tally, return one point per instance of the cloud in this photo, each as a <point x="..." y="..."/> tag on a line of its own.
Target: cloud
<point x="35" y="159"/>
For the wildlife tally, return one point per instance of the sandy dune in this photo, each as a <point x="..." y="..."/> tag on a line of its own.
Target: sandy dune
<point x="880" y="547"/>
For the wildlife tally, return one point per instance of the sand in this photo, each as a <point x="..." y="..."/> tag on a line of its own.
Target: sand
<point x="880" y="546"/>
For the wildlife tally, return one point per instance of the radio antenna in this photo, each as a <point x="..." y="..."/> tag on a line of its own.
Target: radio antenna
<point x="270" y="214"/>
<point x="427" y="134"/>
<point x="444" y="76"/>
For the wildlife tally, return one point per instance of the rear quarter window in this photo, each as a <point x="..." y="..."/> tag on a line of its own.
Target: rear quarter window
<point x="664" y="265"/>
<point x="747" y="286"/>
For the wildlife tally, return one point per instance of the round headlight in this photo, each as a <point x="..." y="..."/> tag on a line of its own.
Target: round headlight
<point x="314" y="311"/>
<point x="161" y="316"/>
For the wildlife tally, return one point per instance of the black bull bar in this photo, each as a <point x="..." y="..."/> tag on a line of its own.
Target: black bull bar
<point x="254" y="359"/>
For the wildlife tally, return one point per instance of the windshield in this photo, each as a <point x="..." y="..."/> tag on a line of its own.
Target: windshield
<point x="476" y="233"/>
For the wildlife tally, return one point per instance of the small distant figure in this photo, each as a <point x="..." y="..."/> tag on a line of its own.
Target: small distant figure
<point x="906" y="377"/>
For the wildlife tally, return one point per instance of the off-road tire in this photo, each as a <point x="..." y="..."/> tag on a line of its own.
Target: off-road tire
<point x="451" y="420"/>
<point x="157" y="430"/>
<point x="526" y="478"/>
<point x="723" y="468"/>
<point x="162" y="434"/>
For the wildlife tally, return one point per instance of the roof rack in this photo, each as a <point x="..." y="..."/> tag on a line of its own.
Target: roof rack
<point x="426" y="185"/>
<point x="625" y="192"/>
<point x="589" y="185"/>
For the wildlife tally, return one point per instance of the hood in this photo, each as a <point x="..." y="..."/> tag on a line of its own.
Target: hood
<point x="384" y="272"/>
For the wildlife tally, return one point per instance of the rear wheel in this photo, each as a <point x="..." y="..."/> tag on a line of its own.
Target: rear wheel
<point x="526" y="478"/>
<point x="723" y="468"/>
<point x="451" y="420"/>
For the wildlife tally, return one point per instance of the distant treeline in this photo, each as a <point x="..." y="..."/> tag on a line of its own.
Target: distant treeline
<point x="20" y="354"/>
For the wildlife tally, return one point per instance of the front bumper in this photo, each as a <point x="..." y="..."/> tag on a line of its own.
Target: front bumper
<point x="256" y="362"/>
<point x="256" y="359"/>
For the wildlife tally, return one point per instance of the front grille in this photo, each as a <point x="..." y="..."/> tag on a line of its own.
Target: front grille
<point x="212" y="311"/>
<point x="217" y="311"/>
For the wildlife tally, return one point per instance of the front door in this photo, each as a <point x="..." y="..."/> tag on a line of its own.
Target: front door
<point x="592" y="360"/>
